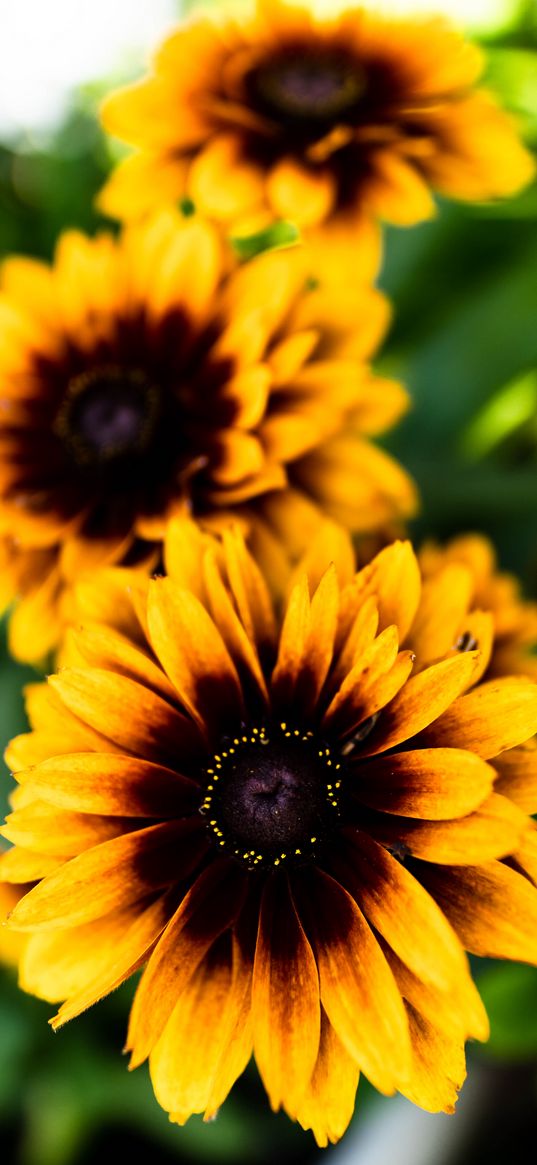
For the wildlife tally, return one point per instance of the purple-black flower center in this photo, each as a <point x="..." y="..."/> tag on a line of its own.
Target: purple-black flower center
<point x="108" y="415"/>
<point x="272" y="795"/>
<point x="309" y="86"/>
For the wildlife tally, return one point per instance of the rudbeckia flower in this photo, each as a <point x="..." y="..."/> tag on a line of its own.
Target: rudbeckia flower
<point x="515" y="618"/>
<point x="337" y="120"/>
<point x="154" y="373"/>
<point x="289" y="820"/>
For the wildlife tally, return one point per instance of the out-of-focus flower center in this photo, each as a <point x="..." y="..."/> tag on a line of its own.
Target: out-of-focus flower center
<point x="312" y="86"/>
<point x="273" y="796"/>
<point x="109" y="414"/>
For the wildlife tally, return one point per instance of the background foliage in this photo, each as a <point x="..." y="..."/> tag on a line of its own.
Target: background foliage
<point x="464" y="339"/>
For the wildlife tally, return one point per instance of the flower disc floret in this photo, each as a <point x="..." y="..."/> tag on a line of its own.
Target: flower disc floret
<point x="273" y="789"/>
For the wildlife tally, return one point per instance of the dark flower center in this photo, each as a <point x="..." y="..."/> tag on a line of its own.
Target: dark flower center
<point x="108" y="415"/>
<point x="309" y="86"/>
<point x="273" y="796"/>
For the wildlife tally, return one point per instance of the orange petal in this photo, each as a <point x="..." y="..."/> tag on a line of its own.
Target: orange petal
<point x="193" y="654"/>
<point x="438" y="1066"/>
<point x="221" y="184"/>
<point x="517" y="776"/>
<point x="492" y="908"/>
<point x="346" y="709"/>
<point x="421" y="701"/>
<point x="445" y="600"/>
<point x="303" y="195"/>
<point x="306" y="644"/>
<point x="241" y="649"/>
<point x="24" y="866"/>
<point x="331" y="545"/>
<point x="209" y="909"/>
<point x="143" y="114"/>
<point x="492" y="718"/>
<point x="249" y="590"/>
<point x="45" y="829"/>
<point x="140" y="183"/>
<point x="327" y="1105"/>
<point x="105" y="647"/>
<point x="111" y="784"/>
<point x="492" y="831"/>
<point x="185" y="1062"/>
<point x="285" y="998"/>
<point x="60" y="964"/>
<point x="356" y="483"/>
<point x="393" y="578"/>
<point x="525" y="857"/>
<point x="403" y="912"/>
<point x="356" y="632"/>
<point x="358" y="991"/>
<point x="237" y="1030"/>
<point x="118" y="872"/>
<point x="397" y="192"/>
<point x="435" y="783"/>
<point x="289" y="355"/>
<point x="185" y="544"/>
<point x="107" y="599"/>
<point x="117" y="961"/>
<point x="36" y="625"/>
<point x="458" y="1012"/>
<point x="129" y="714"/>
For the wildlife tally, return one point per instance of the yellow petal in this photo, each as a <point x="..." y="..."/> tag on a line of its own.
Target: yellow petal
<point x="327" y="1105"/>
<point x="210" y="907"/>
<point x="435" y="783"/>
<point x="186" y="1061"/>
<point x="193" y="654"/>
<point x="358" y="991"/>
<point x="493" y="717"/>
<point x="492" y="908"/>
<point x="285" y="998"/>
<point x="305" y="196"/>
<point x="222" y="185"/>
<point x="128" y="714"/>
<point x="438" y="1066"/>
<point x="404" y="913"/>
<point x="111" y="784"/>
<point x="119" y="872"/>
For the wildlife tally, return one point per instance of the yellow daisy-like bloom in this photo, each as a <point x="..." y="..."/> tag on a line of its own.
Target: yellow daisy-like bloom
<point x="291" y="822"/>
<point x="515" y="618"/>
<point x="336" y="120"/>
<point x="154" y="373"/>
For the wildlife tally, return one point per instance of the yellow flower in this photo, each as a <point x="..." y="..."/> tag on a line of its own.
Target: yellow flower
<point x="289" y="819"/>
<point x="515" y="618"/>
<point x="154" y="373"/>
<point x="337" y="120"/>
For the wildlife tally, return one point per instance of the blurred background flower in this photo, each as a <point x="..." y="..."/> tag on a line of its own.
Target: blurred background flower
<point x="464" y="341"/>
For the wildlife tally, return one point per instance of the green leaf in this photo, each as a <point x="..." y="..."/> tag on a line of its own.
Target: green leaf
<point x="509" y="993"/>
<point x="274" y="237"/>
<point x="503" y="414"/>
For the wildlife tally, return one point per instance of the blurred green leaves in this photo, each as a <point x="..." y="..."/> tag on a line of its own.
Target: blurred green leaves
<point x="273" y="238"/>
<point x="509" y="993"/>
